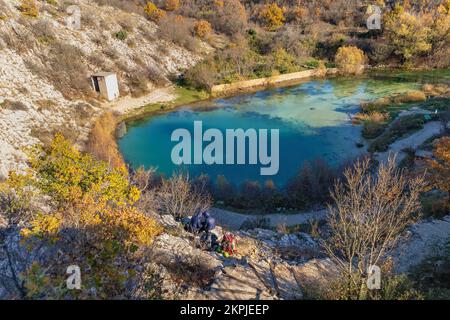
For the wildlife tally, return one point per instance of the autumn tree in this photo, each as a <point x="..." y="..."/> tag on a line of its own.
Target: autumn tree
<point x="350" y="60"/>
<point x="272" y="16"/>
<point x="177" y="29"/>
<point x="178" y="197"/>
<point x="369" y="213"/>
<point x="202" y="28"/>
<point x="201" y="77"/>
<point x="153" y="12"/>
<point x="408" y="34"/>
<point x="440" y="30"/>
<point x="230" y="17"/>
<point x="90" y="220"/>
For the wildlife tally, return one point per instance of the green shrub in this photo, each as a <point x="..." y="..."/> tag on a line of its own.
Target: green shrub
<point x="257" y="222"/>
<point x="435" y="205"/>
<point x="372" y="129"/>
<point x="432" y="276"/>
<point x="121" y="35"/>
<point x="284" y="62"/>
<point x="313" y="63"/>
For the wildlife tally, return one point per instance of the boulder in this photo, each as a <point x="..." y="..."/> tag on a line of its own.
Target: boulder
<point x="287" y="286"/>
<point x="239" y="283"/>
<point x="315" y="275"/>
<point x="168" y="221"/>
<point x="169" y="250"/>
<point x="421" y="240"/>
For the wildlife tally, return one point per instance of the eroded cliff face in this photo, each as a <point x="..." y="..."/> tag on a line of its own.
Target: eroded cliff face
<point x="45" y="67"/>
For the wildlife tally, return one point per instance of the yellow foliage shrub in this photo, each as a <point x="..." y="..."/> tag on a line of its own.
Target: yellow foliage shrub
<point x="272" y="16"/>
<point x="350" y="60"/>
<point x="29" y="8"/>
<point x="153" y="12"/>
<point x="409" y="34"/>
<point x="92" y="219"/>
<point x="68" y="175"/>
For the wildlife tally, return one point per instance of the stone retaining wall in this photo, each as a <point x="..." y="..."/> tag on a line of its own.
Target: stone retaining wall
<point x="265" y="82"/>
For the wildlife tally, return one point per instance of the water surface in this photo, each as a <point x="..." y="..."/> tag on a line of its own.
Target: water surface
<point x="312" y="117"/>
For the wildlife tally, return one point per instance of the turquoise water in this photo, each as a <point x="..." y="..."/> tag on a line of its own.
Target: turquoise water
<point x="312" y="118"/>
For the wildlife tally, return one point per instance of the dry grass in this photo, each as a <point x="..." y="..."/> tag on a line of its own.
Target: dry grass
<point x="194" y="272"/>
<point x="412" y="96"/>
<point x="374" y="123"/>
<point x="374" y="116"/>
<point x="382" y="103"/>
<point x="177" y="29"/>
<point x="43" y="31"/>
<point x="436" y="90"/>
<point x="13" y="105"/>
<point x="294" y="253"/>
<point x="63" y="67"/>
<point x="248" y="247"/>
<point x="45" y="104"/>
<point x="102" y="143"/>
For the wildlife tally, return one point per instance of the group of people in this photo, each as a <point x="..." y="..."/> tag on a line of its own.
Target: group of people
<point x="202" y="223"/>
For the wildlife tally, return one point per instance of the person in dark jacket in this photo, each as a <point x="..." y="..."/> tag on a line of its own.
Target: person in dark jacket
<point x="201" y="222"/>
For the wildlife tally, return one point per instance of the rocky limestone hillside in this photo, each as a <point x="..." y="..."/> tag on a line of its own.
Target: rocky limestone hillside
<point x="45" y="67"/>
<point x="268" y="265"/>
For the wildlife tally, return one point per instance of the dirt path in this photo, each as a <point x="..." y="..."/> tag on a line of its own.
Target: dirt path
<point x="126" y="104"/>
<point x="234" y="220"/>
<point x="415" y="140"/>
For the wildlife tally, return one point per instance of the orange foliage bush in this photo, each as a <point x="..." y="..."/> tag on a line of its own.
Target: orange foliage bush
<point x="439" y="168"/>
<point x="172" y="5"/>
<point x="202" y="28"/>
<point x="300" y="12"/>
